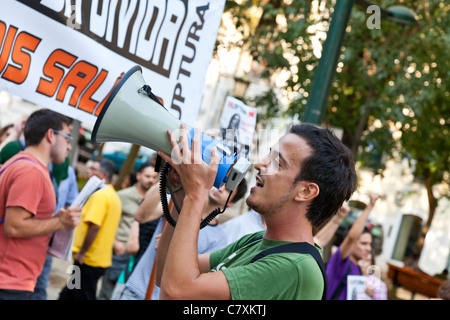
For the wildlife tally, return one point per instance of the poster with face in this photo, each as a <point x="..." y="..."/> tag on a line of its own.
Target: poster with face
<point x="237" y="126"/>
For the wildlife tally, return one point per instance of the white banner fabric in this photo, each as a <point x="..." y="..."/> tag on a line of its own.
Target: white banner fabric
<point x="67" y="55"/>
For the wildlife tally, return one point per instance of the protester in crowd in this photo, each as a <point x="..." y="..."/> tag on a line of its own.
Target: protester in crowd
<point x="94" y="237"/>
<point x="10" y="133"/>
<point x="13" y="143"/>
<point x="5" y="132"/>
<point x="246" y="223"/>
<point x="67" y="191"/>
<point x="130" y="198"/>
<point x="146" y="221"/>
<point x="140" y="284"/>
<point x="301" y="184"/>
<point x="147" y="216"/>
<point x="356" y="245"/>
<point x="28" y="201"/>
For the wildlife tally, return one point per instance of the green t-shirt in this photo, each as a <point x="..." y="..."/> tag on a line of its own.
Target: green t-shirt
<point x="281" y="276"/>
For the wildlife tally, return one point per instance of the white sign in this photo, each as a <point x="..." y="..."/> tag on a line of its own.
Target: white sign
<point x="356" y="288"/>
<point x="237" y="125"/>
<point x="68" y="57"/>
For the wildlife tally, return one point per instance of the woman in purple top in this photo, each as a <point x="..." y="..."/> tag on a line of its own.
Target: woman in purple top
<point x="357" y="245"/>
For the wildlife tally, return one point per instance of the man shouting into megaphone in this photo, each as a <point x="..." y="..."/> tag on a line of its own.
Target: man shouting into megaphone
<point x="300" y="185"/>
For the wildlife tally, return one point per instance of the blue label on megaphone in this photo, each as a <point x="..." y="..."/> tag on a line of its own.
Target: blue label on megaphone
<point x="227" y="157"/>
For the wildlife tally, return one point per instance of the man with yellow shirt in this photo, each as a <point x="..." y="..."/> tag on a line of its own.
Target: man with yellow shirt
<point x="94" y="237"/>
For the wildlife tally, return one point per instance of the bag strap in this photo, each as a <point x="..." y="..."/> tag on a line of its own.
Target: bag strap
<point x="302" y="248"/>
<point x="3" y="169"/>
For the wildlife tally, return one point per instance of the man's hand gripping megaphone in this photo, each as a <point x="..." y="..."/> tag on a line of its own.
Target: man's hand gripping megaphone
<point x="196" y="176"/>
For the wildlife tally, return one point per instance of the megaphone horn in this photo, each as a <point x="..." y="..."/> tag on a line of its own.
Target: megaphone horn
<point x="133" y="114"/>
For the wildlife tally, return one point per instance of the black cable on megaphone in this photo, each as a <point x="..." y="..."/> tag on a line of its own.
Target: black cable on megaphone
<point x="163" y="183"/>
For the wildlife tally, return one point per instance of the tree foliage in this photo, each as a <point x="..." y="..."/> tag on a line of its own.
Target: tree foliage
<point x="389" y="94"/>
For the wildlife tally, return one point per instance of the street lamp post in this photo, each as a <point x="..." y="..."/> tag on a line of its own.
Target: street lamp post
<point x="324" y="74"/>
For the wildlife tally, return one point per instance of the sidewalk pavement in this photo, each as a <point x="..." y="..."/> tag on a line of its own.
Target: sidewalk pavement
<point x="58" y="278"/>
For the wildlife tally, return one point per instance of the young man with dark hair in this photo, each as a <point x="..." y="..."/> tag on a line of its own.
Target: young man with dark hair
<point x="28" y="201"/>
<point x="300" y="184"/>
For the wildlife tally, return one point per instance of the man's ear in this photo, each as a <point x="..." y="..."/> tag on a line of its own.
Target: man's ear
<point x="306" y="191"/>
<point x="50" y="135"/>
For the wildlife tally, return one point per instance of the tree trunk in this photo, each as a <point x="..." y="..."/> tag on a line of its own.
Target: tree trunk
<point x="432" y="205"/>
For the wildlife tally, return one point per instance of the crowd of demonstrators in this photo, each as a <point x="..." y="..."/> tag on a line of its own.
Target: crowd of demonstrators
<point x="94" y="237"/>
<point x="130" y="198"/>
<point x="124" y="232"/>
<point x="28" y="203"/>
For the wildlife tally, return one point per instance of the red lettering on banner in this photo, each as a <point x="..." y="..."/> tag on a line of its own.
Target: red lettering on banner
<point x="78" y="77"/>
<point x="86" y="102"/>
<point x="97" y="112"/>
<point x="7" y="45"/>
<point x="55" y="73"/>
<point x="16" y="49"/>
<point x="62" y="72"/>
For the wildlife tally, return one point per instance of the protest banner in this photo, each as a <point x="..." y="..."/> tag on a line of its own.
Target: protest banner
<point x="67" y="55"/>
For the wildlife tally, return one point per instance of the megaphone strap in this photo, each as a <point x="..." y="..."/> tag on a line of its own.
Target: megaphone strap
<point x="148" y="90"/>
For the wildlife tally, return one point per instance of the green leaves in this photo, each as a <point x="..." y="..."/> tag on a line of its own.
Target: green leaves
<point x="390" y="92"/>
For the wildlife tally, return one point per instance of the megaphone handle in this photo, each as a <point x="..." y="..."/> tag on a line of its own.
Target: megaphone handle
<point x="165" y="205"/>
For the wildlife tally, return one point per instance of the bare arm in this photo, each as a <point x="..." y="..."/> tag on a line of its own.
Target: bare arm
<point x="325" y="234"/>
<point x="91" y="234"/>
<point x="133" y="239"/>
<point x="357" y="228"/>
<point x="185" y="274"/>
<point x="150" y="209"/>
<point x="182" y="277"/>
<point x="167" y="232"/>
<point x="21" y="223"/>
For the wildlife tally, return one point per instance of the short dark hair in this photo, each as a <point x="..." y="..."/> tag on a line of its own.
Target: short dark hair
<point x="331" y="166"/>
<point x="107" y="166"/>
<point x="145" y="165"/>
<point x="241" y="191"/>
<point x="38" y="124"/>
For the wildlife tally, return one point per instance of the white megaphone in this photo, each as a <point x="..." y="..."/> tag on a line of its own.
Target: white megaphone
<point x="133" y="114"/>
